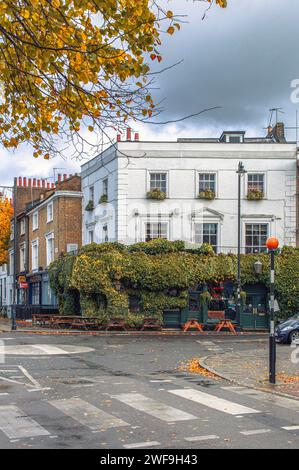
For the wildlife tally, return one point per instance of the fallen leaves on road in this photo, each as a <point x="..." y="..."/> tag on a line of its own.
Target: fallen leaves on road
<point x="193" y="366"/>
<point x="288" y="379"/>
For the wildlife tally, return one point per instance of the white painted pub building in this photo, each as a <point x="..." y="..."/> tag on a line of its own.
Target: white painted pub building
<point x="197" y="187"/>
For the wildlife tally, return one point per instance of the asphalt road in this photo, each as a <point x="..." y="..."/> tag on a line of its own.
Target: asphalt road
<point x="122" y="392"/>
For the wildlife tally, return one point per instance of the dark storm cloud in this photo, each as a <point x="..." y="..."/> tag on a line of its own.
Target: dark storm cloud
<point x="243" y="59"/>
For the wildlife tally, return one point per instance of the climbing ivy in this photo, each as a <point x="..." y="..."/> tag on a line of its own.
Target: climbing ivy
<point x="101" y="278"/>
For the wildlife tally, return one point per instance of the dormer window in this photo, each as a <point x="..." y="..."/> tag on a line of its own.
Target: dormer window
<point x="232" y="137"/>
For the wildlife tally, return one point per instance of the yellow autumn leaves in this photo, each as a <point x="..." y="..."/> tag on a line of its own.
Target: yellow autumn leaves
<point x="64" y="62"/>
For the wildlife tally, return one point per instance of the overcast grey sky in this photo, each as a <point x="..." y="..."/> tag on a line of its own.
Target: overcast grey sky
<point x="242" y="58"/>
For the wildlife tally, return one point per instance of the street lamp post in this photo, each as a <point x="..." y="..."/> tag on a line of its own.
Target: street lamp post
<point x="241" y="172"/>
<point x="272" y="245"/>
<point x="14" y="286"/>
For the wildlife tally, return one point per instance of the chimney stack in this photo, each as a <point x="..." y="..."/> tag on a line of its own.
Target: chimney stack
<point x="279" y="132"/>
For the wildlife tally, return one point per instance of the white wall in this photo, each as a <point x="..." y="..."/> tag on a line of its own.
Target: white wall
<point x="182" y="161"/>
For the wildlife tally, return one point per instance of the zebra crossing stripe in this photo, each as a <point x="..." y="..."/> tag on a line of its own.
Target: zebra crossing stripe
<point x="154" y="408"/>
<point x="17" y="426"/>
<point x="213" y="402"/>
<point x="201" y="438"/>
<point x="87" y="414"/>
<point x="267" y="398"/>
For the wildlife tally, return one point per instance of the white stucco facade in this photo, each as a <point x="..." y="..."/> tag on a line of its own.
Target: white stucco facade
<point x="130" y="217"/>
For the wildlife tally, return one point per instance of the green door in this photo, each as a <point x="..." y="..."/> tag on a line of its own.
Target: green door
<point x="255" y="314"/>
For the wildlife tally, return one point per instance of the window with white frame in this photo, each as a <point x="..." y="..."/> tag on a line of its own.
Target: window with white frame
<point x="91" y="194"/>
<point x="11" y="263"/>
<point x="207" y="181"/>
<point x="156" y="230"/>
<point x="256" y="182"/>
<point x="158" y="181"/>
<point x="22" y="227"/>
<point x="35" y="221"/>
<point x="105" y="233"/>
<point x="90" y="236"/>
<point x="256" y="237"/>
<point x="34" y="255"/>
<point x="12" y="231"/>
<point x="50" y="212"/>
<point x="22" y="257"/>
<point x="50" y="248"/>
<point x="105" y="187"/>
<point x="207" y="233"/>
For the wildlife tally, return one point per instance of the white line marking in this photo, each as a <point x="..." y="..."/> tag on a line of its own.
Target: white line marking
<point x="201" y="438"/>
<point x="214" y="402"/>
<point x="160" y="381"/>
<point x="29" y="377"/>
<point x="17" y="426"/>
<point x="39" y="389"/>
<point x="152" y="407"/>
<point x="291" y="428"/>
<point x="2" y="394"/>
<point x="141" y="444"/>
<point x="265" y="397"/>
<point x="255" y="431"/>
<point x="87" y="414"/>
<point x="12" y="381"/>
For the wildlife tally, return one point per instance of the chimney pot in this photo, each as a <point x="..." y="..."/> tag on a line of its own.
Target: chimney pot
<point x="48" y="185"/>
<point x="136" y="136"/>
<point x="64" y="177"/>
<point x="59" y="178"/>
<point x="129" y="133"/>
<point x="25" y="182"/>
<point x="43" y="183"/>
<point x="118" y="138"/>
<point x="38" y="183"/>
<point x="20" y="181"/>
<point x="34" y="182"/>
<point x="29" y="182"/>
<point x="53" y="185"/>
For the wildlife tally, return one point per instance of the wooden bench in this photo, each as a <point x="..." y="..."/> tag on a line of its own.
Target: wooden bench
<point x="42" y="320"/>
<point x="193" y="323"/>
<point x="151" y="323"/>
<point x="86" y="323"/>
<point x="116" y="323"/>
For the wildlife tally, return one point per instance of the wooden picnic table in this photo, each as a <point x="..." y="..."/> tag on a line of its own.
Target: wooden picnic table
<point x="193" y="323"/>
<point x="226" y="324"/>
<point x="151" y="323"/>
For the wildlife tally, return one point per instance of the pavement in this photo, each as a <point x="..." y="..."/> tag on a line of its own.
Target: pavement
<point x="124" y="392"/>
<point x="251" y="368"/>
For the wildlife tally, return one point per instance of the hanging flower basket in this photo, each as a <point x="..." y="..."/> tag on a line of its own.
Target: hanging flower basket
<point x="156" y="194"/>
<point x="90" y="206"/>
<point x="103" y="199"/>
<point x="255" y="195"/>
<point x="207" y="194"/>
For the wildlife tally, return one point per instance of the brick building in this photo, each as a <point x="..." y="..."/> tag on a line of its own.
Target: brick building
<point x="49" y="222"/>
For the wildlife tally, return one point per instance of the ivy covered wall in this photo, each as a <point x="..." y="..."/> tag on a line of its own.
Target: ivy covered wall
<point x="101" y="279"/>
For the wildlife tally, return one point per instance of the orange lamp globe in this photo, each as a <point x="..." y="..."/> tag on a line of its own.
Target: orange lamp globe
<point x="272" y="243"/>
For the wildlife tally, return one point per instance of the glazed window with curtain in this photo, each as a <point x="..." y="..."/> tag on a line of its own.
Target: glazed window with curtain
<point x="256" y="182"/>
<point x="207" y="181"/>
<point x="156" y="230"/>
<point x="158" y="181"/>
<point x="35" y="293"/>
<point x="207" y="233"/>
<point x="255" y="238"/>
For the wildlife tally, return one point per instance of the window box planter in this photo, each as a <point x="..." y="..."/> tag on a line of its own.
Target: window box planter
<point x="255" y="195"/>
<point x="90" y="206"/>
<point x="156" y="194"/>
<point x="207" y="194"/>
<point x="103" y="199"/>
